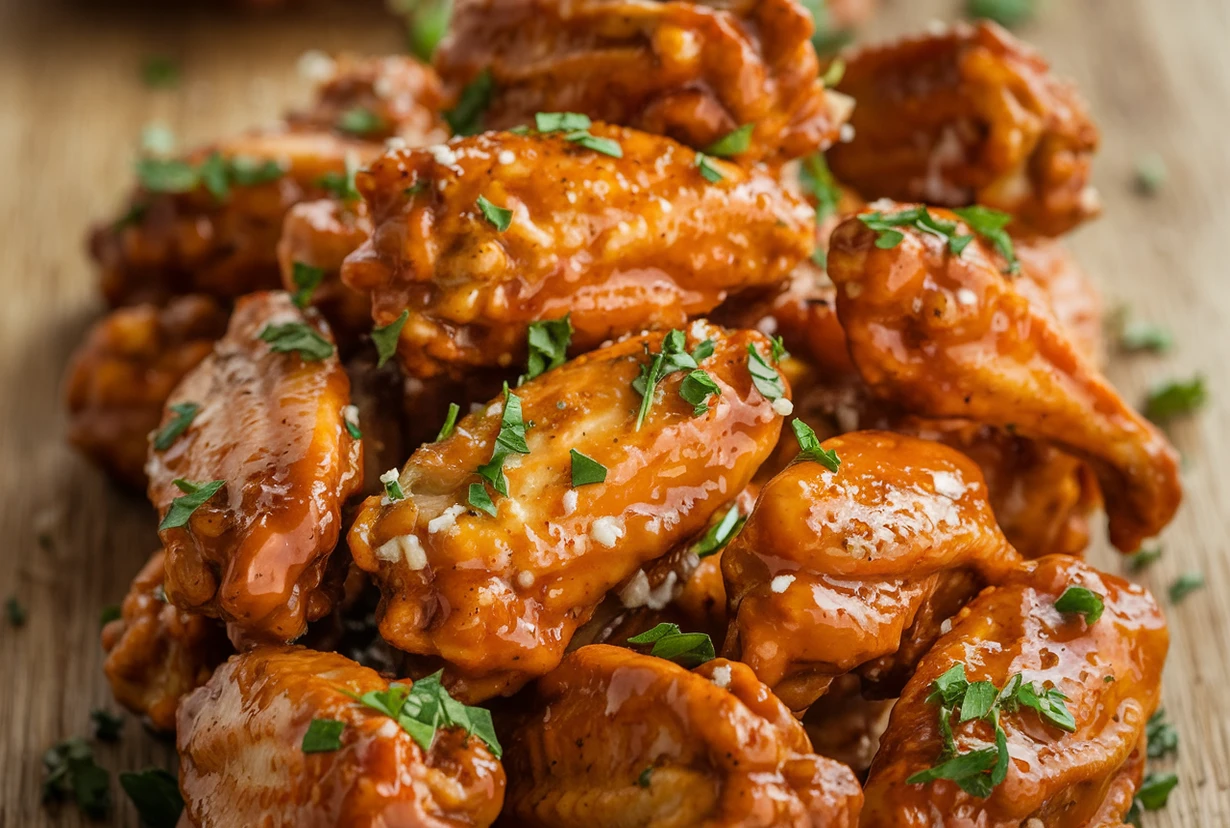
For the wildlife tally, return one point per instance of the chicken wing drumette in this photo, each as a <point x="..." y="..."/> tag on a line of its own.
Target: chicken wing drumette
<point x="1082" y="772"/>
<point x="244" y="759"/>
<point x="267" y="458"/>
<point x="614" y="738"/>
<point x="493" y="585"/>
<point x="969" y="115"/>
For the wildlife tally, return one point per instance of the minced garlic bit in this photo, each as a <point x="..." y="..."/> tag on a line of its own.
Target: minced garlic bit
<point x="781" y="583"/>
<point x="783" y="407"/>
<point x="447" y="519"/>
<point x="607" y="530"/>
<point x="403" y="547"/>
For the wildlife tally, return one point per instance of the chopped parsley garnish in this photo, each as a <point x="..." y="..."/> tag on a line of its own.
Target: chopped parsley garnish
<point x="385" y="338"/>
<point x="107" y="726"/>
<point x="918" y="218"/>
<point x="323" y="736"/>
<point x="696" y="389"/>
<point x="415" y="188"/>
<point x="834" y="73"/>
<point x="1143" y="558"/>
<point x="155" y="794"/>
<point x="1175" y="398"/>
<point x="1161" y="736"/>
<point x="109" y="613"/>
<point x="341" y="185"/>
<point x="732" y="143"/>
<point x="719" y="534"/>
<point x="509" y="440"/>
<point x="297" y="337"/>
<point x="360" y="121"/>
<point x="249" y="172"/>
<point x="645" y="775"/>
<point x="466" y="118"/>
<point x="810" y="448"/>
<point x="685" y="649"/>
<point x="709" y="172"/>
<point x="1185" y="585"/>
<point x="213" y="176"/>
<point x="392" y="485"/>
<point x="777" y="349"/>
<point x="1153" y="795"/>
<point x="1004" y="12"/>
<point x="826" y="39"/>
<point x="764" y="376"/>
<point x="159" y="72"/>
<point x="72" y="774"/>
<point x="135" y="215"/>
<point x="216" y="174"/>
<point x="480" y="499"/>
<point x="166" y="175"/>
<point x="450" y="422"/>
<point x="1143" y="336"/>
<point x="1151" y="174"/>
<point x="606" y="146"/>
<point x="500" y="217"/>
<point x="673" y="357"/>
<point x="157" y="139"/>
<point x="586" y="470"/>
<point x="195" y="496"/>
<point x="1078" y="599"/>
<point x="990" y="225"/>
<point x="425" y="26"/>
<point x="561" y="121"/>
<point x="15" y="612"/>
<point x="350" y="419"/>
<point x="818" y="180"/>
<point x="306" y="279"/>
<point x="548" y="345"/>
<point x="184" y="413"/>
<point x="425" y="707"/>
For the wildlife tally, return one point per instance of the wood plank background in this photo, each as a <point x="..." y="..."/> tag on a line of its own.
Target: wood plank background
<point x="71" y="111"/>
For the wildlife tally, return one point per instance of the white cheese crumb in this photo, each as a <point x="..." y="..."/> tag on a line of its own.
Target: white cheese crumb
<point x="443" y="154"/>
<point x="395" y="143"/>
<point x="390" y="476"/>
<point x="403" y="547"/>
<point x="636" y="592"/>
<point x="571" y="196"/>
<point x="525" y="579"/>
<point x="967" y="297"/>
<point x="446" y="520"/>
<point x="607" y="530"/>
<point x="781" y="583"/>
<point x="316" y="66"/>
<point x="948" y="484"/>
<point x="506" y="157"/>
<point x="662" y="595"/>
<point x="846" y="134"/>
<point x="783" y="407"/>
<point x="570" y="501"/>
<point x="722" y="676"/>
<point x="699" y="330"/>
<point x="946" y="626"/>
<point x="350" y="414"/>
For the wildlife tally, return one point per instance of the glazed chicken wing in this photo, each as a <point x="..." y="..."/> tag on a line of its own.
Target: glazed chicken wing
<point x="270" y="429"/>
<point x="693" y="71"/>
<point x="1108" y="670"/>
<point x="122" y="374"/>
<point x="494" y="585"/>
<point x="944" y="335"/>
<point x="857" y="568"/>
<point x="620" y="244"/>
<point x="615" y="739"/>
<point x="243" y="761"/>
<point x="969" y="115"/>
<point x="158" y="653"/>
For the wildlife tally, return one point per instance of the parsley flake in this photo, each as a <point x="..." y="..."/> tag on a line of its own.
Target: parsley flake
<point x="360" y="121"/>
<point x="350" y="420"/>
<point x="341" y="185"/>
<point x="195" y="496"/>
<point x="107" y="725"/>
<point x="586" y="470"/>
<point x="1153" y="795"/>
<point x="424" y="707"/>
<point x="718" y="535"/>
<point x="479" y="499"/>
<point x="732" y="143"/>
<point x="500" y="217"/>
<point x="1083" y="601"/>
<point x="385" y="338"/>
<point x="818" y="180"/>
<point x="466" y="118"/>
<point x="297" y="337"/>
<point x="450" y="422"/>
<point x="392" y="485"/>
<point x="166" y="175"/>
<point x="15" y="612"/>
<point x="673" y="357"/>
<point x="72" y="774"/>
<point x="509" y="440"/>
<point x="425" y="26"/>
<point x="1151" y="174"/>
<point x="1184" y="585"/>
<point x="1008" y="13"/>
<point x="685" y="649"/>
<point x="109" y="613"/>
<point x="606" y="146"/>
<point x="306" y="279"/>
<point x="643" y="779"/>
<point x="183" y="415"/>
<point x="1176" y="398"/>
<point x="1143" y="336"/>
<point x="918" y="218"/>
<point x="323" y="736"/>
<point x="1161" y="736"/>
<point x="155" y="793"/>
<point x="766" y="379"/>
<point x="810" y="448"/>
<point x="548" y="345"/>
<point x="250" y="172"/>
<point x="159" y="72"/>
<point x="562" y="121"/>
<point x="696" y="389"/>
<point x="990" y="225"/>
<point x="709" y="172"/>
<point x="1144" y="558"/>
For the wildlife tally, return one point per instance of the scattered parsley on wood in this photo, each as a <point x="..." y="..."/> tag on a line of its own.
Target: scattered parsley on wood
<point x="385" y="338"/>
<point x="1185" y="585"/>
<point x="1144" y="558"/>
<point x="669" y="642"/>
<point x="109" y="613"/>
<point x="1151" y="174"/>
<point x="107" y="725"/>
<point x="1175" y="398"/>
<point x="1161" y="736"/>
<point x="15" y="612"/>
<point x="73" y="775"/>
<point x="155" y="794"/>
<point x="1153" y="794"/>
<point x="182" y="416"/>
<point x="159" y="72"/>
<point x="195" y="496"/>
<point x="1008" y="13"/>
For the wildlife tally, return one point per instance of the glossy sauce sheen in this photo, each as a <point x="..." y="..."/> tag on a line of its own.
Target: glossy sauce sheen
<point x="271" y="425"/>
<point x="719" y="748"/>
<point x="498" y="598"/>
<point x="621" y="244"/>
<point x="1066" y="780"/>
<point x="241" y="761"/>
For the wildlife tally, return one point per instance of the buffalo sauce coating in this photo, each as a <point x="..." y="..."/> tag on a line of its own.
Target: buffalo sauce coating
<point x="620" y="244"/>
<point x="969" y="115"/>
<point x="1110" y="672"/>
<point x="693" y="72"/>
<point x="272" y="426"/>
<point x="498" y="598"/>
<point x="832" y="569"/>
<point x="240" y="743"/>
<point x="949" y="336"/>
<point x="615" y="738"/>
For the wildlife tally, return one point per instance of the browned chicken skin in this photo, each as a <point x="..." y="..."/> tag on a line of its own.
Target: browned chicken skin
<point x="968" y="115"/>
<point x="121" y="376"/>
<point x="621" y="244"/>
<point x="497" y="598"/>
<point x="241" y="760"/>
<point x="1109" y="670"/>
<point x="271" y="426"/>
<point x="695" y="72"/>
<point x="943" y="335"/>
<point x="156" y="652"/>
<point x="615" y="739"/>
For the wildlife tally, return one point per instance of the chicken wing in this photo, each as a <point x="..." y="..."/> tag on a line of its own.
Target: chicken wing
<point x="270" y="429"/>
<point x="158" y="653"/>
<point x="1108" y="670"/>
<point x="614" y="738"/>
<point x="246" y="756"/>
<point x="122" y="374"/>
<point x="847" y="727"/>
<point x="946" y="335"/>
<point x="969" y="115"/>
<point x="493" y="587"/>
<point x="479" y="238"/>
<point x="858" y="567"/>
<point x="693" y="71"/>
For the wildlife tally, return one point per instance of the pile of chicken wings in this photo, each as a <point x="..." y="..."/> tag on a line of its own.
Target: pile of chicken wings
<point x="607" y="423"/>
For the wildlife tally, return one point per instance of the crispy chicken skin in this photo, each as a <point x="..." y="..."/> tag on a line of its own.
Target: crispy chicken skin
<point x="122" y="374"/>
<point x="1110" y="672"/>
<point x="1064" y="287"/>
<point x="969" y="115"/>
<point x="622" y="244"/>
<point x="497" y="599"/>
<point x="836" y="570"/>
<point x="614" y="738"/>
<point x="949" y="336"/>
<point x="270" y="425"/>
<point x="241" y="760"/>
<point x="156" y="652"/>
<point x="692" y="71"/>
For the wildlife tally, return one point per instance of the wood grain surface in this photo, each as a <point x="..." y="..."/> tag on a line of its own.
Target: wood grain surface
<point x="71" y="111"/>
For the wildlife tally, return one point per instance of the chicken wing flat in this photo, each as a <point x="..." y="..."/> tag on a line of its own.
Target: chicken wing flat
<point x="1048" y="267"/>
<point x="250" y="491"/>
<point x="494" y="585"/>
<point x="835" y="570"/>
<point x="969" y="115"/>
<point x="946" y="335"/>
<point x="694" y="71"/>
<point x="1076" y="758"/>
<point x="247" y="756"/>
<point x="122" y="374"/>
<point x="479" y="238"/>
<point x="614" y="738"/>
<point x="158" y="653"/>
